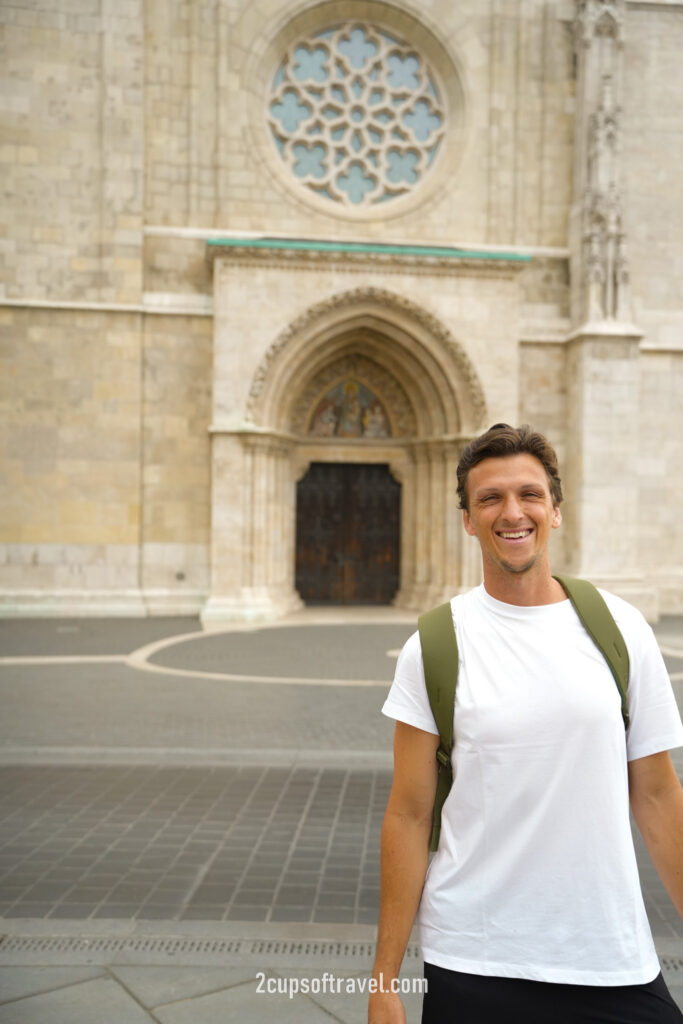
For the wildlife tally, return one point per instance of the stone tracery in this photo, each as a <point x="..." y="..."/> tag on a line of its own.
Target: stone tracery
<point x="356" y="116"/>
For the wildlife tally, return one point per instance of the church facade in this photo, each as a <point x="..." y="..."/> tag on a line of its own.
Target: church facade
<point x="268" y="266"/>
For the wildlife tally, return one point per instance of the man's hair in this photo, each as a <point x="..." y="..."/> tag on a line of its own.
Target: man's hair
<point x="500" y="440"/>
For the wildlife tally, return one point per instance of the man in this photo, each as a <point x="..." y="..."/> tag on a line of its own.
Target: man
<point x="531" y="909"/>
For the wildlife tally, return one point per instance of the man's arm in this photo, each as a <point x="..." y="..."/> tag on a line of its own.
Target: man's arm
<point x="405" y="853"/>
<point x="657" y="804"/>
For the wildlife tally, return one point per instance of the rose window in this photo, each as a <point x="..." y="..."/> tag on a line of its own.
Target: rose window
<point x="355" y="115"/>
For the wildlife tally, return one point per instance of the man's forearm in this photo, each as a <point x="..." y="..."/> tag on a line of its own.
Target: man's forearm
<point x="404" y="859"/>
<point x="660" y="820"/>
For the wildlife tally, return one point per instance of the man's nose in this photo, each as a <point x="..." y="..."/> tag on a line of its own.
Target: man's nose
<point x="512" y="509"/>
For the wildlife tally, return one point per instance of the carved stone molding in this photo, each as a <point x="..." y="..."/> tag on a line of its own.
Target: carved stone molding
<point x="381" y="299"/>
<point x="600" y="271"/>
<point x="362" y="261"/>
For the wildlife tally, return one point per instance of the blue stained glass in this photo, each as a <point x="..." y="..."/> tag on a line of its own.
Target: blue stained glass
<point x="401" y="166"/>
<point x="311" y="64"/>
<point x="421" y="121"/>
<point x="403" y="72"/>
<point x="357" y="48"/>
<point x="290" y="112"/>
<point x="356" y="183"/>
<point x="342" y="95"/>
<point x="309" y="161"/>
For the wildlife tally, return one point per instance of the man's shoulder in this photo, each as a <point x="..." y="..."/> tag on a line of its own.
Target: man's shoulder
<point x="625" y="614"/>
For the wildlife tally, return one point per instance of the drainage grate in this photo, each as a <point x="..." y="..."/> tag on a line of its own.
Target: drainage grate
<point x="169" y="946"/>
<point x="189" y="950"/>
<point x="153" y="950"/>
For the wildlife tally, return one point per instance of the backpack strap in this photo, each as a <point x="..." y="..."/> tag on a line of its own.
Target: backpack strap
<point x="598" y="622"/>
<point x="440" y="659"/>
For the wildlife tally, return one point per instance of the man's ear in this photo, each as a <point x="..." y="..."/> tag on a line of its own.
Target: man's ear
<point x="467" y="523"/>
<point x="557" y="517"/>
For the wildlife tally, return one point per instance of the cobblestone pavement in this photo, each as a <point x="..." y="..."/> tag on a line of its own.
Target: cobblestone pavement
<point x="180" y="814"/>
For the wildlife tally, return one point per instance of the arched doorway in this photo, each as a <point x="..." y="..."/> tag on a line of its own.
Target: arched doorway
<point x="363" y="379"/>
<point x="347" y="534"/>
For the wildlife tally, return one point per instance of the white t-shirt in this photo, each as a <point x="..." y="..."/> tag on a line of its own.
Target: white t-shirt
<point x="535" y="875"/>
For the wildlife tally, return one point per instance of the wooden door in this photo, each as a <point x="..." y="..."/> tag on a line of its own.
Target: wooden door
<point x="347" y="534"/>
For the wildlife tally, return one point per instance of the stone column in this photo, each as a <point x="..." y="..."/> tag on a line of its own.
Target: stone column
<point x="601" y="472"/>
<point x="252" y="543"/>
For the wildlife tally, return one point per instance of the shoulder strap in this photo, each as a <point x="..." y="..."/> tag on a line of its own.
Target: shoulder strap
<point x="598" y="622"/>
<point x="440" y="659"/>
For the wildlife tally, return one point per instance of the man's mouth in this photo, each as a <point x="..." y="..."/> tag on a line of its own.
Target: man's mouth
<point x="514" y="534"/>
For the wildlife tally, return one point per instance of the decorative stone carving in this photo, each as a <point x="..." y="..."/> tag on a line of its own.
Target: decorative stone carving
<point x="599" y="18"/>
<point x="377" y="379"/>
<point x="604" y="238"/>
<point x="381" y="298"/>
<point x="600" y="272"/>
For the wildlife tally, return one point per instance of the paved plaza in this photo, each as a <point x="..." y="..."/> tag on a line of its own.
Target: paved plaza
<point x="190" y="822"/>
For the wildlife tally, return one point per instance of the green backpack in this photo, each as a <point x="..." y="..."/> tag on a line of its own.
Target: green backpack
<point x="440" y="659"/>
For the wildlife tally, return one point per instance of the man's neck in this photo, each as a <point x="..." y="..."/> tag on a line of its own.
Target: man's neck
<point x="524" y="588"/>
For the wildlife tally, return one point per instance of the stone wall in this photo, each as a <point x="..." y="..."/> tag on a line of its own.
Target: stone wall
<point x="71" y="449"/>
<point x="134" y="130"/>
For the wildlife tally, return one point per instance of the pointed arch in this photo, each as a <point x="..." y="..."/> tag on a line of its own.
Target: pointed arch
<point x="427" y="362"/>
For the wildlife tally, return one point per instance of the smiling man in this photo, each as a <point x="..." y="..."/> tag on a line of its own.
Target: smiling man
<point x="531" y="908"/>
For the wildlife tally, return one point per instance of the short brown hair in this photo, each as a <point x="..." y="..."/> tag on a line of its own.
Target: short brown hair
<point x="500" y="440"/>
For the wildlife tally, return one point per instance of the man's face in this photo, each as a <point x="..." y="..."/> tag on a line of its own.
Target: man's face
<point x="511" y="512"/>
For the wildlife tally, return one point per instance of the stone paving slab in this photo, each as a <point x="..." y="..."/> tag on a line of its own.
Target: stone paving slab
<point x="262" y="844"/>
<point x="248" y="844"/>
<point x="100" y="999"/>
<point x="258" y="994"/>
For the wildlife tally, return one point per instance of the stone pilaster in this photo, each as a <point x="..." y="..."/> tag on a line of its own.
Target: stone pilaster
<point x="603" y="387"/>
<point x="252" y="550"/>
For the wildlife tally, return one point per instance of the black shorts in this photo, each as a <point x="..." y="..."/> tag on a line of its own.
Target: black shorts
<point x="456" y="998"/>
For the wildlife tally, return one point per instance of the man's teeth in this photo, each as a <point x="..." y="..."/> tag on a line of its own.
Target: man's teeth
<point x="514" y="534"/>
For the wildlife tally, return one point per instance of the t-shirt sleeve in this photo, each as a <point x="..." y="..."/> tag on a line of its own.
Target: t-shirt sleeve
<point x="407" y="700"/>
<point x="655" y="718"/>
